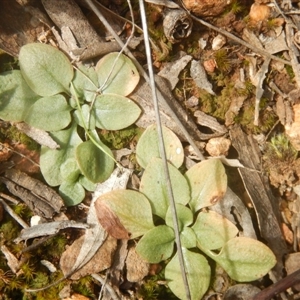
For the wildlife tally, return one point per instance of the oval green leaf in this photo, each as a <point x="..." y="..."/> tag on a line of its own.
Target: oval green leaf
<point x="85" y="83"/>
<point x="117" y="74"/>
<point x="208" y="183"/>
<point x="132" y="208"/>
<point x="245" y="259"/>
<point x="49" y="113"/>
<point x="114" y="112"/>
<point x="15" y="96"/>
<point x="51" y="160"/>
<point x="72" y="192"/>
<point x="198" y="275"/>
<point x="147" y="147"/>
<point x="157" y="244"/>
<point x="188" y="238"/>
<point x="153" y="186"/>
<point x="87" y="184"/>
<point x="95" y="164"/>
<point x="45" y="69"/>
<point x="69" y="170"/>
<point x="213" y="230"/>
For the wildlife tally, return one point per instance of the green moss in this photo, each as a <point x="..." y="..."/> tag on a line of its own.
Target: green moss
<point x="28" y="271"/>
<point x="280" y="148"/>
<point x="9" y="230"/>
<point x="13" y="134"/>
<point x="235" y="7"/>
<point x="84" y="286"/>
<point x="217" y="106"/>
<point x="151" y="289"/>
<point x="290" y="72"/>
<point x="22" y="210"/>
<point x="267" y="118"/>
<point x="55" y="246"/>
<point x="120" y="139"/>
<point x="222" y="61"/>
<point x="248" y="90"/>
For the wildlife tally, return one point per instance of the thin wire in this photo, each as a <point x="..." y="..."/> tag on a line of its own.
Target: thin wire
<point x="162" y="149"/>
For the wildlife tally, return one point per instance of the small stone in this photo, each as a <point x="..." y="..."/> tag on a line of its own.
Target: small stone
<point x="206" y="8"/>
<point x="218" y="146"/>
<point x="209" y="65"/>
<point x="192" y="102"/>
<point x="259" y="13"/>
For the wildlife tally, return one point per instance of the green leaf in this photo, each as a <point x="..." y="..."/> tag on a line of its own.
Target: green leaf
<point x="188" y="238"/>
<point x="94" y="164"/>
<point x="87" y="184"/>
<point x="46" y="70"/>
<point x="208" y="183"/>
<point x="85" y="82"/>
<point x="153" y="185"/>
<point x="213" y="230"/>
<point x="114" y="112"/>
<point x="72" y="192"/>
<point x="132" y="209"/>
<point x="88" y="116"/>
<point x="198" y="275"/>
<point x="69" y="170"/>
<point x="184" y="216"/>
<point x="245" y="259"/>
<point x="117" y="77"/>
<point x="147" y="147"/>
<point x="157" y="244"/>
<point x="15" y="96"/>
<point x="49" y="113"/>
<point x="51" y="160"/>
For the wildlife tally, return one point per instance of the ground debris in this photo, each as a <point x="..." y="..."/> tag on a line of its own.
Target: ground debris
<point x="40" y="136"/>
<point x="39" y="197"/>
<point x="259" y="190"/>
<point x="48" y="229"/>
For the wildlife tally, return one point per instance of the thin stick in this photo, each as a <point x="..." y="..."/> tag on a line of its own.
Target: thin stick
<point x="278" y="286"/>
<point x="13" y="214"/>
<point x="107" y="286"/>
<point x="238" y="40"/>
<point x="163" y="151"/>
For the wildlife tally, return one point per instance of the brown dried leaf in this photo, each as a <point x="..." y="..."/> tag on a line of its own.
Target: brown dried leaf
<point x="293" y="131"/>
<point x="100" y="261"/>
<point x="287" y="233"/>
<point x="76" y="297"/>
<point x="12" y="261"/>
<point x="110" y="221"/>
<point x="280" y="110"/>
<point x="137" y="268"/>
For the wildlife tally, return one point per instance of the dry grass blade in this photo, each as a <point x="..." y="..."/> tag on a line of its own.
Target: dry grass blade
<point x="163" y="153"/>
